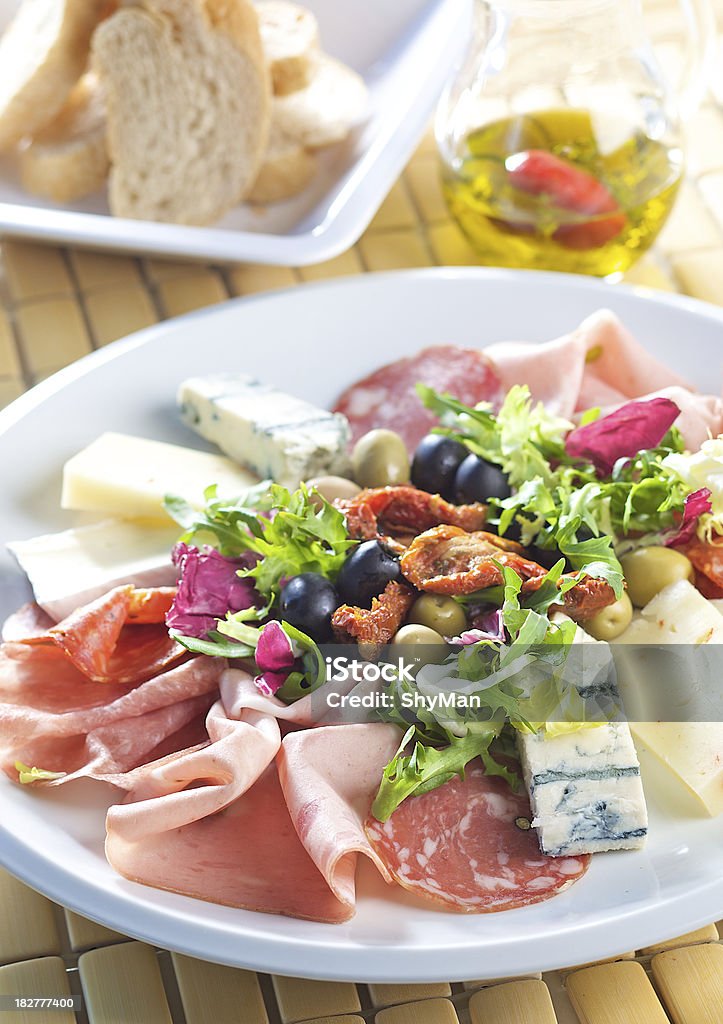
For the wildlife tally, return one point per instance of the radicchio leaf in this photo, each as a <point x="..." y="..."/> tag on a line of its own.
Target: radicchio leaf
<point x="696" y="504"/>
<point x="274" y="658"/>
<point x="208" y="588"/>
<point x="623" y="433"/>
<point x="489" y="626"/>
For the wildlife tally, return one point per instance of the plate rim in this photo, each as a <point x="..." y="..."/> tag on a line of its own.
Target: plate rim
<point x="273" y="953"/>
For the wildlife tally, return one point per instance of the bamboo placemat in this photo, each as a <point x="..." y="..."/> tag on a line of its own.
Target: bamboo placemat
<point x="56" y="305"/>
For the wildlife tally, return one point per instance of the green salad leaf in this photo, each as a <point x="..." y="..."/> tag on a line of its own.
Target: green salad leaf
<point x="558" y="502"/>
<point x="290" y="532"/>
<point x="28" y="775"/>
<point x="521" y="683"/>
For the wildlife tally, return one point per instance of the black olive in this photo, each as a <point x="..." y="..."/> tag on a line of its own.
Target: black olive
<point x="546" y="557"/>
<point x="478" y="480"/>
<point x="435" y="464"/>
<point x="308" y="602"/>
<point x="366" y="573"/>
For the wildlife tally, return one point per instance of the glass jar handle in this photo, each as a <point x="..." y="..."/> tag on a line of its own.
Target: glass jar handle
<point x="699" y="54"/>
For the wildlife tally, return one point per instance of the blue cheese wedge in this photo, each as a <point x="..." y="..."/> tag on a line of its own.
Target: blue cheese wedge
<point x="585" y="790"/>
<point x="275" y="435"/>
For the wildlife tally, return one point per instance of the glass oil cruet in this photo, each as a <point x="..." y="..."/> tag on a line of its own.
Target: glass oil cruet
<point x="559" y="136"/>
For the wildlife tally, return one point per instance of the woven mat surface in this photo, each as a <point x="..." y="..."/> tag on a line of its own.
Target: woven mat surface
<point x="56" y="305"/>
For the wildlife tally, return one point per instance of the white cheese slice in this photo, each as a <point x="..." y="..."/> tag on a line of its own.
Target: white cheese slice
<point x="73" y="567"/>
<point x="679" y="614"/>
<point x="274" y="434"/>
<point x="129" y="476"/>
<point x="694" y="752"/>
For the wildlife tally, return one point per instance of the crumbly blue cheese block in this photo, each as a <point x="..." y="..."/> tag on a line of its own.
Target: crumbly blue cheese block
<point x="585" y="790"/>
<point x="277" y="436"/>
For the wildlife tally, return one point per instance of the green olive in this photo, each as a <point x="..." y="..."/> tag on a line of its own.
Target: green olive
<point x="440" y="613"/>
<point x="648" y="570"/>
<point x="380" y="459"/>
<point x="423" y="645"/>
<point x="332" y="488"/>
<point x="610" y="622"/>
<point x="414" y="633"/>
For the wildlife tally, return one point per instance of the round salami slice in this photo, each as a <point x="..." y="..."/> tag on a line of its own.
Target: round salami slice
<point x="387" y="397"/>
<point x="462" y="846"/>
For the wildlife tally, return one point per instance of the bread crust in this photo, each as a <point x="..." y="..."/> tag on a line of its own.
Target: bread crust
<point x="68" y="159"/>
<point x="197" y="69"/>
<point x="290" y="37"/>
<point x="43" y="53"/>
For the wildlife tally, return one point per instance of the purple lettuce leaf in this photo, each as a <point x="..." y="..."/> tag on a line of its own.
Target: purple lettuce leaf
<point x="275" y="658"/>
<point x="487" y="626"/>
<point x="623" y="433"/>
<point x="696" y="504"/>
<point x="208" y="587"/>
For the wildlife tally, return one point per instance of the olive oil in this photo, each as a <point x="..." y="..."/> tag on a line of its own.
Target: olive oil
<point x="538" y="190"/>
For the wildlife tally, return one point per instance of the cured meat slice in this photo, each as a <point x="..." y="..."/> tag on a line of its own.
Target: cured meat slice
<point x="212" y="822"/>
<point x="329" y="777"/>
<point x="387" y="397"/>
<point x="54" y="717"/>
<point x="460" y="847"/>
<point x="119" y="638"/>
<point x="192" y="784"/>
<point x="238" y="692"/>
<point x="27" y="622"/>
<point x="247" y="855"/>
<point x="599" y="363"/>
<point x="400" y="513"/>
<point x="377" y="625"/>
<point x="447" y="560"/>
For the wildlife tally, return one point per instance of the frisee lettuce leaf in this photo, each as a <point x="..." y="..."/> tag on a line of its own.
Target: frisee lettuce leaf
<point x="520" y="681"/>
<point x="425" y="768"/>
<point x="559" y="502"/>
<point x="27" y="775"/>
<point x="523" y="438"/>
<point x="290" y="533"/>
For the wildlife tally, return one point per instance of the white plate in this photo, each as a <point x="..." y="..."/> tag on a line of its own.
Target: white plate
<point x="405" y="51"/>
<point x="313" y="341"/>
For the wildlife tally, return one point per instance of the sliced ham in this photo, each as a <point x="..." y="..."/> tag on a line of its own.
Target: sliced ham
<point x="247" y="855"/>
<point x="330" y="777"/>
<point x="387" y="397"/>
<point x="598" y="363"/>
<point x="460" y="847"/>
<point x="52" y="716"/>
<point x="192" y="784"/>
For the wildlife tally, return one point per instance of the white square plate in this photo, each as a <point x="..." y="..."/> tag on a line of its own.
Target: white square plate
<point x="404" y="49"/>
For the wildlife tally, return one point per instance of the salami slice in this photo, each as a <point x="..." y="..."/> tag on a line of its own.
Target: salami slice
<point x="459" y="846"/>
<point x="387" y="397"/>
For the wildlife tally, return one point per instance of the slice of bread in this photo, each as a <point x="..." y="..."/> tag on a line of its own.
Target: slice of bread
<point x="43" y="53"/>
<point x="290" y="37"/>
<point x="188" y="103"/>
<point x="286" y="170"/>
<point x="325" y="111"/>
<point x="68" y="159"/>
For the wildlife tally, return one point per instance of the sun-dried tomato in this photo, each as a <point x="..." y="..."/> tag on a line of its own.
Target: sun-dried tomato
<point x="376" y="625"/>
<point x="447" y="560"/>
<point x="398" y="514"/>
